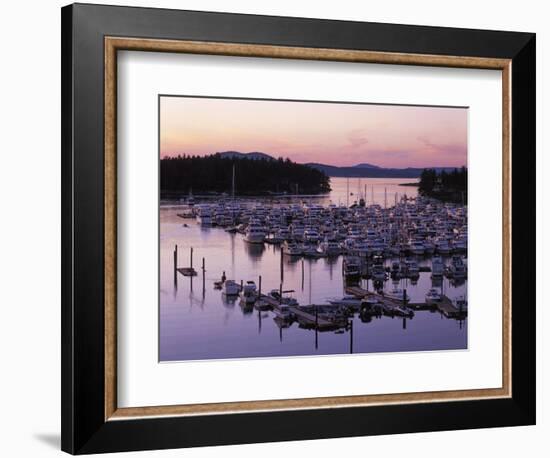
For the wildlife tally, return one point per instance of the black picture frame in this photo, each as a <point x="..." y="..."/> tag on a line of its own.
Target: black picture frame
<point x="84" y="428"/>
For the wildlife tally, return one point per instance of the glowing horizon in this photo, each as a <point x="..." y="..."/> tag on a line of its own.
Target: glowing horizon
<point x="339" y="134"/>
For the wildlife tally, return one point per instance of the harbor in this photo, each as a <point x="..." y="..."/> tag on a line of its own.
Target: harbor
<point x="370" y="267"/>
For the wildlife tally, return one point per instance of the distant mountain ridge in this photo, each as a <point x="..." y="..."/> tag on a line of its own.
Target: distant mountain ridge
<point x="365" y="165"/>
<point x="362" y="170"/>
<point x="359" y="171"/>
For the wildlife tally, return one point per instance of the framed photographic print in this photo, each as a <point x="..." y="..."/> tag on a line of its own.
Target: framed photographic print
<point x="281" y="228"/>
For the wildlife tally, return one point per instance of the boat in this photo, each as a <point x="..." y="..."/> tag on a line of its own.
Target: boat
<point x="457" y="268"/>
<point x="433" y="296"/>
<point x="310" y="251"/>
<point x="254" y="233"/>
<point x="371" y="305"/>
<point x="398" y="294"/>
<point x="409" y="268"/>
<point x="349" y="301"/>
<point x="461" y="303"/>
<point x="417" y="248"/>
<point x="443" y="247"/>
<point x="352" y="269"/>
<point x="249" y="293"/>
<point x="292" y="249"/>
<point x="311" y="235"/>
<point x="378" y="272"/>
<point x="438" y="267"/>
<point x="329" y="248"/>
<point x="395" y="268"/>
<point x="283" y="299"/>
<point x="402" y="311"/>
<point x="204" y="215"/>
<point x="231" y="288"/>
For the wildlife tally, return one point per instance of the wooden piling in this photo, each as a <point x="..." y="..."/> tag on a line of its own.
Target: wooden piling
<point x="191" y="258"/>
<point x="316" y="328"/>
<point x="176" y="265"/>
<point x="280" y="293"/>
<point x="203" y="276"/>
<point x="281" y="249"/>
<point x="351" y="336"/>
<point x="260" y="287"/>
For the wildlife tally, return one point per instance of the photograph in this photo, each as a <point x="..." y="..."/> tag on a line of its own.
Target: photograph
<point x="294" y="228"/>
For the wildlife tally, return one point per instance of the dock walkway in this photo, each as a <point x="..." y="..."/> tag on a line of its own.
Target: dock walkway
<point x="303" y="316"/>
<point x="445" y="306"/>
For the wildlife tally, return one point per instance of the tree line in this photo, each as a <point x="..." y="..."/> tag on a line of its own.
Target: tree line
<point x="214" y="174"/>
<point x="452" y="186"/>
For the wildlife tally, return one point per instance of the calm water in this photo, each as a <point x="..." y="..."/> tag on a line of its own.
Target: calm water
<point x="200" y="324"/>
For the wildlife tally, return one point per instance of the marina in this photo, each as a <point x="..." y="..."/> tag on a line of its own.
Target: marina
<point x="377" y="269"/>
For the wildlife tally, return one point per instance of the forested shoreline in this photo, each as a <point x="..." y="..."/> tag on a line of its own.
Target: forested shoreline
<point x="213" y="174"/>
<point x="449" y="186"/>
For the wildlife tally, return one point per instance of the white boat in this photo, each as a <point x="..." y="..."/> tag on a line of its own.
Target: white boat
<point x="330" y="248"/>
<point x="350" y="301"/>
<point x="403" y="311"/>
<point x="249" y="293"/>
<point x="438" y="267"/>
<point x="292" y="249"/>
<point x="311" y="235"/>
<point x="255" y="233"/>
<point x="433" y="296"/>
<point x="231" y="288"/>
<point x="398" y="294"/>
<point x="310" y="251"/>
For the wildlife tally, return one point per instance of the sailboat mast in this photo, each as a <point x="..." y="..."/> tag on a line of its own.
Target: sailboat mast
<point x="233" y="183"/>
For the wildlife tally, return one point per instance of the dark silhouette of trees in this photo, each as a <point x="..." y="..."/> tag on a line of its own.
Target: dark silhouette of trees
<point x="445" y="185"/>
<point x="214" y="174"/>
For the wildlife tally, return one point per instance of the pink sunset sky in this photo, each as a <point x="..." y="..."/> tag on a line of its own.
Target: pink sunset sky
<point x="329" y="133"/>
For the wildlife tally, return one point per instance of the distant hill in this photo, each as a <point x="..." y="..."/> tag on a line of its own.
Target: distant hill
<point x="365" y="165"/>
<point x="359" y="171"/>
<point x="362" y="170"/>
<point x="252" y="155"/>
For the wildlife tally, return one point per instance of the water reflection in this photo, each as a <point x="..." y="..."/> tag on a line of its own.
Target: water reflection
<point x="198" y="321"/>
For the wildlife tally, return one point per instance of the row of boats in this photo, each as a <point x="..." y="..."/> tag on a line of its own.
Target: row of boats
<point x="285" y="306"/>
<point x="420" y="226"/>
<point x="355" y="268"/>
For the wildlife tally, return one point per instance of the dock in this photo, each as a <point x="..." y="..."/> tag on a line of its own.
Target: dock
<point x="445" y="306"/>
<point x="187" y="271"/>
<point x="303" y="316"/>
<point x="311" y="320"/>
<point x="448" y="309"/>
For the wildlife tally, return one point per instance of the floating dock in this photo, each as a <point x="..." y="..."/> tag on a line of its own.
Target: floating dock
<point x="305" y="316"/>
<point x="187" y="271"/>
<point x="445" y="306"/>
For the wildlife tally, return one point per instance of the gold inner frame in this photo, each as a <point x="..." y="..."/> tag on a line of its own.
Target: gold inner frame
<point x="114" y="44"/>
